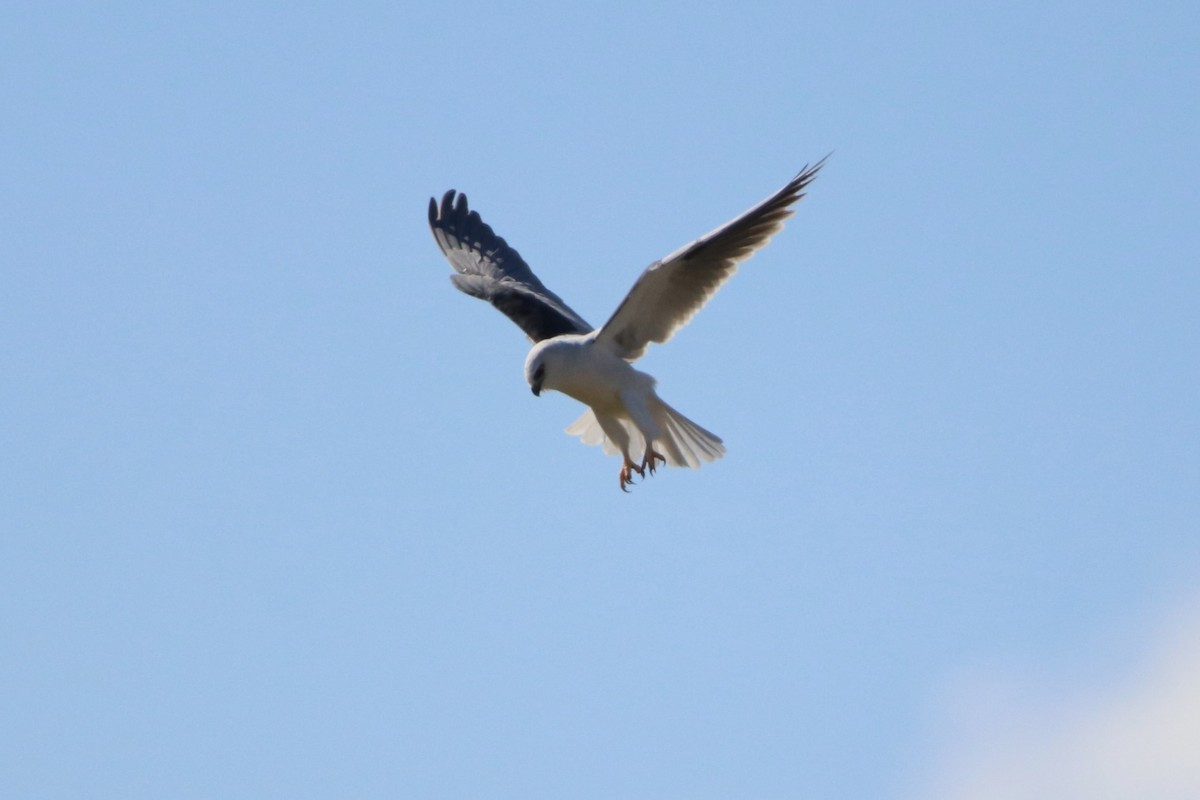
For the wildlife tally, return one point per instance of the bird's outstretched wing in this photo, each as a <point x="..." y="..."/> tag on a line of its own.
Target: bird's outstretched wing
<point x="489" y="269"/>
<point x="670" y="292"/>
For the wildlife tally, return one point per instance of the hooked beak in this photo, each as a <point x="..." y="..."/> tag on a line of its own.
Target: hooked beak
<point x="536" y="386"/>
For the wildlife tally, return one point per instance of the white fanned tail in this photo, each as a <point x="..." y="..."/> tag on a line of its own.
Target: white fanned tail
<point x="683" y="443"/>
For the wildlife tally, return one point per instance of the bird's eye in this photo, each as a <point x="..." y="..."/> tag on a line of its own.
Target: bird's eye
<point x="540" y="372"/>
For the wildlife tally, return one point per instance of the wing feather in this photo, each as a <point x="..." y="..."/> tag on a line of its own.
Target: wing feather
<point x="670" y="292"/>
<point x="488" y="268"/>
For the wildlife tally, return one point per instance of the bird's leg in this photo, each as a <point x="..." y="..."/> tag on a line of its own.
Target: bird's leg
<point x="627" y="470"/>
<point x="648" y="462"/>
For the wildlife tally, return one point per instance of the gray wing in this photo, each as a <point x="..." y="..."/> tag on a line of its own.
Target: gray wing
<point x="670" y="292"/>
<point x="489" y="269"/>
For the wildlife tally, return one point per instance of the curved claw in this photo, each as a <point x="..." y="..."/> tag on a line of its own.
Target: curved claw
<point x="626" y="474"/>
<point x="650" y="462"/>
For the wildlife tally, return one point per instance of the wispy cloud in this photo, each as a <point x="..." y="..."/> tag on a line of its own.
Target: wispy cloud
<point x="1134" y="733"/>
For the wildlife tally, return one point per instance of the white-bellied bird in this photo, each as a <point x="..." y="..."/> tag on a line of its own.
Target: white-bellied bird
<point x="594" y="365"/>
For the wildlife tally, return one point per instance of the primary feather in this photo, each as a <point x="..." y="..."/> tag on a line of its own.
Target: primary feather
<point x="670" y="292"/>
<point x="488" y="268"/>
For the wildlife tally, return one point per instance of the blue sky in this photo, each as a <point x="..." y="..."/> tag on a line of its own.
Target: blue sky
<point x="279" y="516"/>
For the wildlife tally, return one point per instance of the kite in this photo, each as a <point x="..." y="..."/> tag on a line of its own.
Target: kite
<point x="594" y="365"/>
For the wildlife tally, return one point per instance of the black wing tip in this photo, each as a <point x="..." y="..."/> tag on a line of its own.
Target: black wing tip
<point x="804" y="177"/>
<point x="441" y="211"/>
<point x="793" y="192"/>
<point x="812" y="170"/>
<point x="465" y="229"/>
<point x="453" y="208"/>
<point x="453" y="202"/>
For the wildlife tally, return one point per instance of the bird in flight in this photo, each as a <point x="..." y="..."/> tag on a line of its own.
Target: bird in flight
<point x="594" y="365"/>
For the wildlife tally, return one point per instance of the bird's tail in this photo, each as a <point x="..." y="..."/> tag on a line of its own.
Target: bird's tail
<point x="682" y="442"/>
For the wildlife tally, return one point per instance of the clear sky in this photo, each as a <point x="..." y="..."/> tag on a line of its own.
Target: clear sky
<point x="279" y="516"/>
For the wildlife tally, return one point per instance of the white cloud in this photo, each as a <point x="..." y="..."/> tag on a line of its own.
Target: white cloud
<point x="1134" y="735"/>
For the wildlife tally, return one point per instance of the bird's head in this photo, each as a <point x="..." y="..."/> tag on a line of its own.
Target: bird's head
<point x="552" y="363"/>
<point x="535" y="369"/>
<point x="536" y="379"/>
